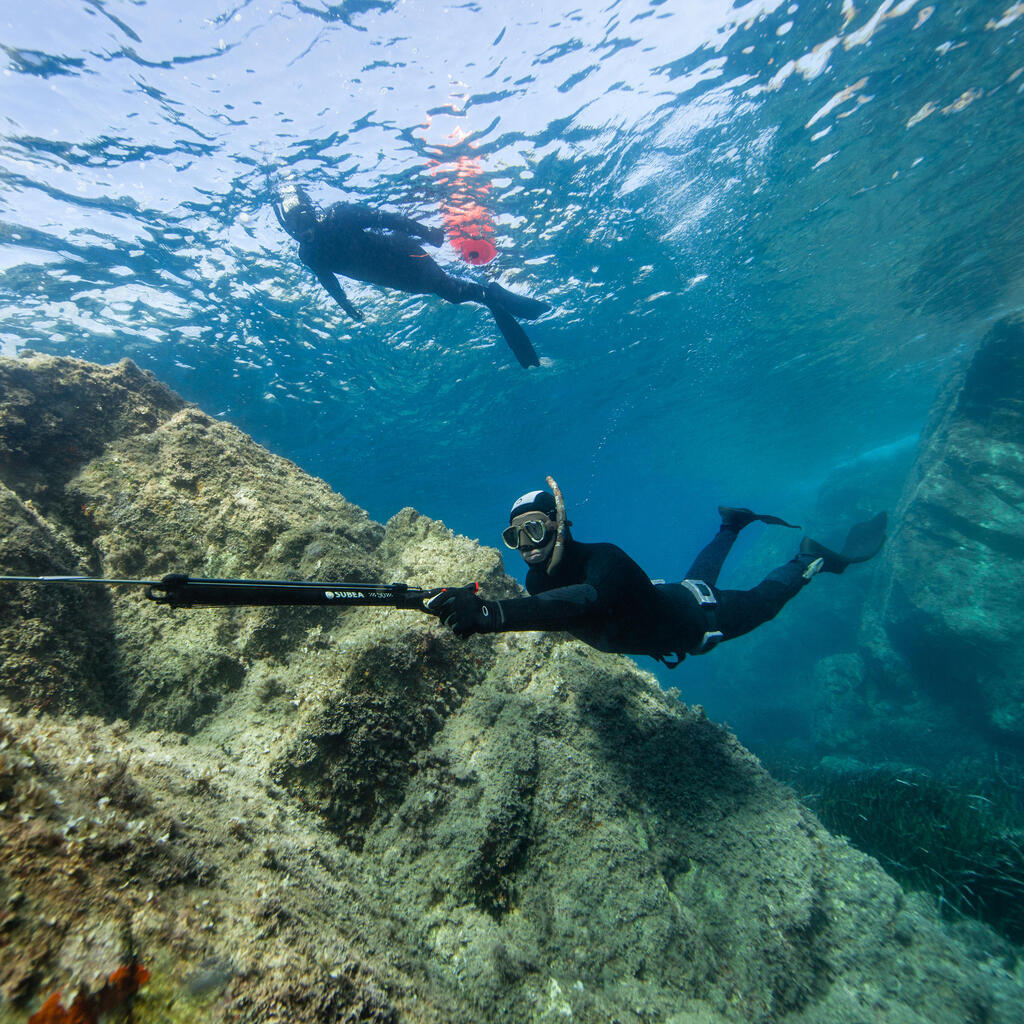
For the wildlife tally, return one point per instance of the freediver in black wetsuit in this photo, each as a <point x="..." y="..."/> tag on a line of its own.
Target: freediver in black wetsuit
<point x="383" y="248"/>
<point x="601" y="596"/>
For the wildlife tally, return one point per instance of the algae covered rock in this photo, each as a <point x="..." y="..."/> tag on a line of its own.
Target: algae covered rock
<point x="352" y="815"/>
<point x="55" y="649"/>
<point x="57" y="415"/>
<point x="356" y="737"/>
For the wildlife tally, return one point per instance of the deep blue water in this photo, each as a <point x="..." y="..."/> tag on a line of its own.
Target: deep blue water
<point x="766" y="229"/>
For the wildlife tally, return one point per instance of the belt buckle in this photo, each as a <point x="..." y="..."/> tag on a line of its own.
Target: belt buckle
<point x="701" y="591"/>
<point x="709" y="641"/>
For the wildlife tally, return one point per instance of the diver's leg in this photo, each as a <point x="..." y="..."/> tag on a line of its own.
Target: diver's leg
<point x="863" y="542"/>
<point x="740" y="611"/>
<point x="459" y="290"/>
<point x="708" y="564"/>
<point x="456" y="289"/>
<point x="518" y="305"/>
<point x="397" y="261"/>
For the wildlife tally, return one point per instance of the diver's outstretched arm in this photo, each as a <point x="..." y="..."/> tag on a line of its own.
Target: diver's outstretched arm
<point x="412" y="228"/>
<point x="330" y="282"/>
<point x="352" y="215"/>
<point x="463" y="611"/>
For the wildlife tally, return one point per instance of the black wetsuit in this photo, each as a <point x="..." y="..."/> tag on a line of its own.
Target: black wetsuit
<point x="379" y="248"/>
<point x="601" y="596"/>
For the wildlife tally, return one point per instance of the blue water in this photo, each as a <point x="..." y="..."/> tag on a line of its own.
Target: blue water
<point x="766" y="230"/>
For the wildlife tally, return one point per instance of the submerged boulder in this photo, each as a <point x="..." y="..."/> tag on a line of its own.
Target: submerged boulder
<point x="326" y="815"/>
<point x="946" y="627"/>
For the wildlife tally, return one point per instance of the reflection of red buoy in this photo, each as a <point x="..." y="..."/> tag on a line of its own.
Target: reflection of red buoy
<point x="468" y="221"/>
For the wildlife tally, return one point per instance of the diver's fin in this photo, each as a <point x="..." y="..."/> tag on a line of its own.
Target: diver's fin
<point x="515" y="336"/>
<point x="864" y="541"/>
<point x="737" y="518"/>
<point x="518" y="305"/>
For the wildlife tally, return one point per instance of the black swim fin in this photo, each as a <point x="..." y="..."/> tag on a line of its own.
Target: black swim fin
<point x="737" y="518"/>
<point x="521" y="306"/>
<point x="864" y="541"/>
<point x="515" y="336"/>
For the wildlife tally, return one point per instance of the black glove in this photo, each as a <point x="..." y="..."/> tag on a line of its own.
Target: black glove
<point x="463" y="612"/>
<point x="435" y="236"/>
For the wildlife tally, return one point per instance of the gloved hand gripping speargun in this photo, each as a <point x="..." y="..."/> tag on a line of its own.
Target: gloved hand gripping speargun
<point x="180" y="591"/>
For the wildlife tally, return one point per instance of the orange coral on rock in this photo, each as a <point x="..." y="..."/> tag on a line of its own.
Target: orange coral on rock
<point x="123" y="983"/>
<point x="51" y="1012"/>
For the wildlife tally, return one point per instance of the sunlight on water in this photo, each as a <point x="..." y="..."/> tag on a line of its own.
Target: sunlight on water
<point x="770" y="220"/>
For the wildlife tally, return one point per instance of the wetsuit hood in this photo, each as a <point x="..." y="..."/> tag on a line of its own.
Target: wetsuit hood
<point x="296" y="212"/>
<point x="533" y="501"/>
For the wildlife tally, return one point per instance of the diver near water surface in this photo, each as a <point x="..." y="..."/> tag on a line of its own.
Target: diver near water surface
<point x="381" y="248"/>
<point x="601" y="596"/>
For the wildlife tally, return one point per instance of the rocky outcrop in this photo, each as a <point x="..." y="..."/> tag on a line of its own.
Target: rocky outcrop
<point x="944" y="633"/>
<point x="323" y="815"/>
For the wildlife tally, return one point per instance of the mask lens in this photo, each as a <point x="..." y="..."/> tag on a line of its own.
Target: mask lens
<point x="510" y="535"/>
<point x="535" y="531"/>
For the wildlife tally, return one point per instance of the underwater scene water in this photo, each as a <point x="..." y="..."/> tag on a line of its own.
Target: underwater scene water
<point x="770" y="234"/>
<point x="765" y="230"/>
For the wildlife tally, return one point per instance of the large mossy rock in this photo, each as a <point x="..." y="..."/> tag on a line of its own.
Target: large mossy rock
<point x="946" y="628"/>
<point x="320" y="815"/>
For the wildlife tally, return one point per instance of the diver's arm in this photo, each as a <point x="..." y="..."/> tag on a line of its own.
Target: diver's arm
<point x="330" y="282"/>
<point x="412" y="228"/>
<point x="351" y="216"/>
<point x="608" y="580"/>
<point x="462" y="611"/>
<point x="558" y="609"/>
<point x="606" y="573"/>
<point x="562" y="608"/>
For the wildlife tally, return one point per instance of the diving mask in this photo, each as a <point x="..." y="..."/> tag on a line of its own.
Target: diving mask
<point x="526" y="534"/>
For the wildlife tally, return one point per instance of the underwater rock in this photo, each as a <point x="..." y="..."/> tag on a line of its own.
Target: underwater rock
<point x="352" y="814"/>
<point x="947" y="622"/>
<point x="54" y="423"/>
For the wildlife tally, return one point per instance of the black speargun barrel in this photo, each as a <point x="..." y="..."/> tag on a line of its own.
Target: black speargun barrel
<point x="182" y="591"/>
